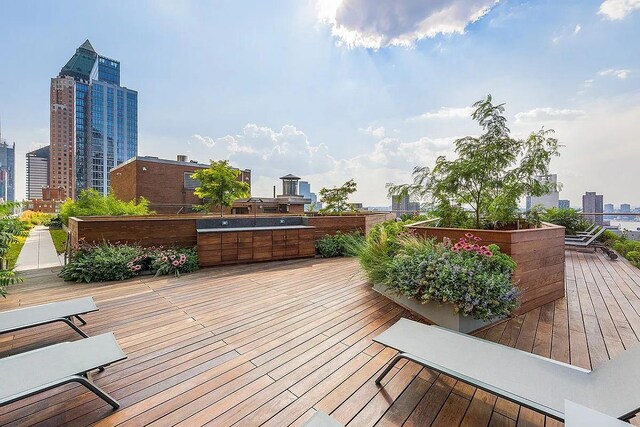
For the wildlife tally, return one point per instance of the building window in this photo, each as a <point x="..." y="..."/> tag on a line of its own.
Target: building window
<point x="189" y="182"/>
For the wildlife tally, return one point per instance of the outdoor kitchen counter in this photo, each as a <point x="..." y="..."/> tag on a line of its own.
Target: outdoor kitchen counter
<point x="234" y="244"/>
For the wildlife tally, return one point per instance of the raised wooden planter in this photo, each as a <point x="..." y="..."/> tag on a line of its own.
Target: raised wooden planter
<point x="436" y="313"/>
<point x="538" y="252"/>
<point x="180" y="230"/>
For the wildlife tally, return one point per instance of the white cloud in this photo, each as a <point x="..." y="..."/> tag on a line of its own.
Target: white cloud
<point x="270" y="153"/>
<point x="444" y="113"/>
<point x="277" y="152"/>
<point x="618" y="9"/>
<point x="621" y="73"/>
<point x="378" y="132"/>
<point x="588" y="83"/>
<point x="577" y="29"/>
<point x="548" y="114"/>
<point x="375" y="24"/>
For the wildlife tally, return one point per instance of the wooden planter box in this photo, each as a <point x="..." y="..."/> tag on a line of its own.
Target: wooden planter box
<point x="538" y="252"/>
<point x="436" y="313"/>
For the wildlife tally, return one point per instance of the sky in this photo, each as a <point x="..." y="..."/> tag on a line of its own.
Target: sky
<point x="332" y="90"/>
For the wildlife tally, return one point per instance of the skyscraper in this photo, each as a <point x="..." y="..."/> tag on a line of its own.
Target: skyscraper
<point x="37" y="172"/>
<point x="94" y="122"/>
<point x="403" y="205"/>
<point x="7" y="171"/>
<point x="549" y="200"/>
<point x="593" y="203"/>
<point x="564" y="204"/>
<point x="304" y="188"/>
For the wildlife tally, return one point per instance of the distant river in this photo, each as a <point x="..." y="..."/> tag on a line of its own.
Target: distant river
<point x="629" y="225"/>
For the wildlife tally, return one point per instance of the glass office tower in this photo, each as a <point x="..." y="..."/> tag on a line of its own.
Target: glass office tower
<point x="94" y="122"/>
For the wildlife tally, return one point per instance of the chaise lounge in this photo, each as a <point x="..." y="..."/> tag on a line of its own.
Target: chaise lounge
<point x="527" y="379"/>
<point x="63" y="311"/>
<point x="35" y="371"/>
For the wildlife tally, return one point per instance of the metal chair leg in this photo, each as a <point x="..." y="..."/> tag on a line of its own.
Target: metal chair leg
<point x="390" y="366"/>
<point x="86" y="381"/>
<point x="73" y="326"/>
<point x="77" y="316"/>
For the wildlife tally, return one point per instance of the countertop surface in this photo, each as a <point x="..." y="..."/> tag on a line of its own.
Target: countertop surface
<point x="269" y="228"/>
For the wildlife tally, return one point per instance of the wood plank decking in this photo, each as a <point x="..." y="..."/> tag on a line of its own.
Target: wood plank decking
<point x="269" y="344"/>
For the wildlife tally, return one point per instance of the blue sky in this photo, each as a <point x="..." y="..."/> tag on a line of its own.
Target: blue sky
<point x="333" y="90"/>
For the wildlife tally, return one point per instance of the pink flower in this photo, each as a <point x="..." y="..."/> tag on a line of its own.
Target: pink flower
<point x="488" y="254"/>
<point x="172" y="257"/>
<point x="477" y="238"/>
<point x="469" y="236"/>
<point x="468" y="247"/>
<point x="176" y="263"/>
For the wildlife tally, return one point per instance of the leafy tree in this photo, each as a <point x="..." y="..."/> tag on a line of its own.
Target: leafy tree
<point x="10" y="229"/>
<point x="335" y="200"/>
<point x="492" y="173"/>
<point x="92" y="203"/>
<point x="219" y="186"/>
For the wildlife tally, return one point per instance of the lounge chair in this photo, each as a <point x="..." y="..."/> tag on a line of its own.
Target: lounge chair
<point x="63" y="311"/>
<point x="580" y="416"/>
<point x="589" y="230"/>
<point x="35" y="371"/>
<point x="590" y="242"/>
<point x="529" y="380"/>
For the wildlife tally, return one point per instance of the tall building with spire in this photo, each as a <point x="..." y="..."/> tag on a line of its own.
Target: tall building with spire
<point x="93" y="123"/>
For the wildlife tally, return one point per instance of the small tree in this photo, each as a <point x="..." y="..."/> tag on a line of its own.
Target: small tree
<point x="492" y="171"/>
<point x="219" y="186"/>
<point x="335" y="199"/>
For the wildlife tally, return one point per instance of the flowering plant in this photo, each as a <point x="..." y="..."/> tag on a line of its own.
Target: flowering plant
<point x="98" y="262"/>
<point x="475" y="279"/>
<point x="174" y="261"/>
<point x="471" y="243"/>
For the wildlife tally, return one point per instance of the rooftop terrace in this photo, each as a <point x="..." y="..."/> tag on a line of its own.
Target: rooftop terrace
<point x="272" y="343"/>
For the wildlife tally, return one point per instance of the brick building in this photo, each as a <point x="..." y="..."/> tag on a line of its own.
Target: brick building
<point x="169" y="187"/>
<point x="167" y="184"/>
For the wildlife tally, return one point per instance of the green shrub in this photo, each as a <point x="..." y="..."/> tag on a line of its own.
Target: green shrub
<point x="54" y="222"/>
<point x="106" y="262"/>
<point x="375" y="253"/>
<point x="92" y="203"/>
<point x="338" y="244"/>
<point x="633" y="256"/>
<point x="100" y="263"/>
<point x="569" y="218"/>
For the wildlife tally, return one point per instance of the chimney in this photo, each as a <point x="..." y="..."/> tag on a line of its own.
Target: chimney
<point x="181" y="158"/>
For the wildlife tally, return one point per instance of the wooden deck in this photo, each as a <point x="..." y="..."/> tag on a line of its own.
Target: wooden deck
<point x="269" y="344"/>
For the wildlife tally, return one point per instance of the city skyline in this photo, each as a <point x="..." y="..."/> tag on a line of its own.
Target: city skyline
<point x="342" y="96"/>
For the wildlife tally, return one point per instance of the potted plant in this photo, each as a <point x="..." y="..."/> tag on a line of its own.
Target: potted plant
<point x="463" y="286"/>
<point x="478" y="193"/>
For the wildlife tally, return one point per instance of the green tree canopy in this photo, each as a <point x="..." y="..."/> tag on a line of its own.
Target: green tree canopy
<point x="492" y="173"/>
<point x="335" y="199"/>
<point x="92" y="203"/>
<point x="219" y="186"/>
